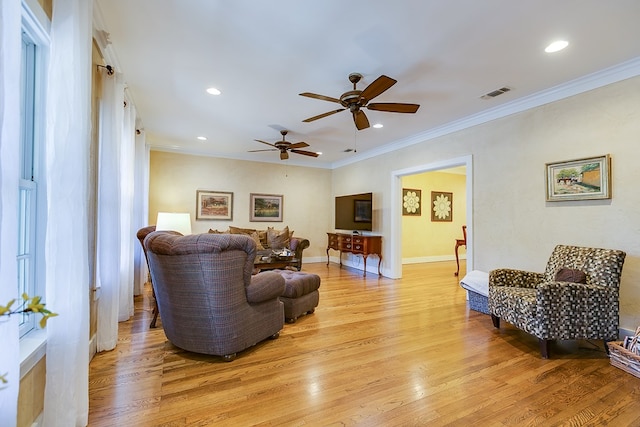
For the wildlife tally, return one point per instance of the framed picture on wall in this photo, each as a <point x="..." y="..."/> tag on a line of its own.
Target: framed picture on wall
<point x="581" y="179"/>
<point x="265" y="207"/>
<point x="214" y="205"/>
<point x="441" y="206"/>
<point x="411" y="202"/>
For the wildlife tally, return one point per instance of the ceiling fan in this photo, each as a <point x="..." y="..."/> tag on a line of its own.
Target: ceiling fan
<point x="354" y="100"/>
<point x="284" y="147"/>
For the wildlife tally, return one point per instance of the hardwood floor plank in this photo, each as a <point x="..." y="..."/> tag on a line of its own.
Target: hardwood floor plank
<point x="376" y="352"/>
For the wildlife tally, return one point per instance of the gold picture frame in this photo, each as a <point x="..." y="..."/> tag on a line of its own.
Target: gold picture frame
<point x="266" y="207"/>
<point x="214" y="205"/>
<point x="580" y="179"/>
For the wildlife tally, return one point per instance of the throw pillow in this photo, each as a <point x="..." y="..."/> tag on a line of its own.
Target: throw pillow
<point x="278" y="239"/>
<point x="212" y="231"/>
<point x="571" y="275"/>
<point x="256" y="239"/>
<point x="262" y="234"/>
<point x="238" y="230"/>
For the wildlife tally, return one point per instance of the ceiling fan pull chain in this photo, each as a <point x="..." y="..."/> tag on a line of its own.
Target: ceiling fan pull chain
<point x="355" y="140"/>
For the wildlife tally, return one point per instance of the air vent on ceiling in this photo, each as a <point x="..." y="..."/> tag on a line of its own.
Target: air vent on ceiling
<point x="496" y="92"/>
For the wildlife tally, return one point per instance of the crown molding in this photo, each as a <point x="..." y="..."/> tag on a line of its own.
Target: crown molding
<point x="586" y="83"/>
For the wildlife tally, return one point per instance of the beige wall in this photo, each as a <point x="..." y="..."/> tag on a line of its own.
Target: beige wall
<point x="307" y="207"/>
<point x="424" y="240"/>
<point x="513" y="226"/>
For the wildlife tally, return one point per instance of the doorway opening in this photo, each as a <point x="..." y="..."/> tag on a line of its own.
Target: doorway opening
<point x="396" y="208"/>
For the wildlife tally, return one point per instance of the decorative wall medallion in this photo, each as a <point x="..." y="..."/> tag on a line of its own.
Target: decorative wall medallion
<point x="441" y="206"/>
<point x="411" y="202"/>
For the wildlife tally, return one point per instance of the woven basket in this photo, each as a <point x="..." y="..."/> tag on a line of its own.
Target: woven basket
<point x="622" y="358"/>
<point x="478" y="302"/>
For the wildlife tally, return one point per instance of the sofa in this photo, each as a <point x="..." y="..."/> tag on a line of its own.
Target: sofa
<point x="271" y="239"/>
<point x="209" y="299"/>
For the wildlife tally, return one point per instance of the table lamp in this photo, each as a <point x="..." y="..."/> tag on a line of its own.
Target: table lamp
<point x="180" y="222"/>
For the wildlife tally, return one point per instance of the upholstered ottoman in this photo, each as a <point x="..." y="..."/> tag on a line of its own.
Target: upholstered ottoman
<point x="300" y="295"/>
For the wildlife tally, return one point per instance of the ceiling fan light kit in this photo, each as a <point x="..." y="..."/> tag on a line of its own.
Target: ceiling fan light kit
<point x="355" y="100"/>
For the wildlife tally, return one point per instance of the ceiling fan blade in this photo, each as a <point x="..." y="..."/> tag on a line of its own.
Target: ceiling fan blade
<point x="322" y="97"/>
<point x="298" y="145"/>
<point x="305" y="153"/>
<point x="257" y="151"/>
<point x="319" y="116"/>
<point x="284" y="155"/>
<point x="378" y="86"/>
<point x="264" y="142"/>
<point x="394" y="107"/>
<point x="360" y="119"/>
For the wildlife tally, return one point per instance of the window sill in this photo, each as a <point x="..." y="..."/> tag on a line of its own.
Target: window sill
<point x="33" y="347"/>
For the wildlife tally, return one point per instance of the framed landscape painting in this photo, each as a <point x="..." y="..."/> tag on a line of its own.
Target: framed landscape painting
<point x="214" y="205"/>
<point x="265" y="207"/>
<point x="580" y="179"/>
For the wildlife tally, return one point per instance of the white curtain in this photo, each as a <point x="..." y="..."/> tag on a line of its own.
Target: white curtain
<point x="127" y="231"/>
<point x="66" y="242"/>
<point x="140" y="207"/>
<point x="109" y="205"/>
<point x="10" y="48"/>
<point x="116" y="223"/>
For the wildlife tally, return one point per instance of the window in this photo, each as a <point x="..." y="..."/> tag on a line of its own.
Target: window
<point x="28" y="186"/>
<point x="30" y="240"/>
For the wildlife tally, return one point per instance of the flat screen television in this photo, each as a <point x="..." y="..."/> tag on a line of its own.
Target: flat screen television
<point x="354" y="212"/>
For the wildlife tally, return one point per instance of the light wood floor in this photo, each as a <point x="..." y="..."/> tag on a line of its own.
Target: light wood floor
<point x="377" y="352"/>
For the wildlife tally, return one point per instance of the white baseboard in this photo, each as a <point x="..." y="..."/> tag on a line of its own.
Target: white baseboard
<point x="314" y="259"/>
<point x="438" y="258"/>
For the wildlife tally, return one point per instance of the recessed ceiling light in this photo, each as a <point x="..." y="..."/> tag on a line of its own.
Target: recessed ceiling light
<point x="202" y="138"/>
<point x="556" y="46"/>
<point x="213" y="91"/>
<point x="378" y="125"/>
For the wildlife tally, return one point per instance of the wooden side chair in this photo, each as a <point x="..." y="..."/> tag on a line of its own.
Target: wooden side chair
<point x="460" y="242"/>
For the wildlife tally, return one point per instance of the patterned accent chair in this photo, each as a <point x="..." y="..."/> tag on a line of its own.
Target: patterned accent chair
<point x="575" y="298"/>
<point x="209" y="300"/>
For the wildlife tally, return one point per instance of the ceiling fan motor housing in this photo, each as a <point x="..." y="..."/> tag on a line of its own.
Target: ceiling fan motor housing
<point x="352" y="100"/>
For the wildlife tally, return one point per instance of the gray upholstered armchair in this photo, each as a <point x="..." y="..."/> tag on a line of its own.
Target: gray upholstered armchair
<point x="575" y="298"/>
<point x="209" y="300"/>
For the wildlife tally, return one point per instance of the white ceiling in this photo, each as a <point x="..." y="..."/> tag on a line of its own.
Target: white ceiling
<point x="262" y="54"/>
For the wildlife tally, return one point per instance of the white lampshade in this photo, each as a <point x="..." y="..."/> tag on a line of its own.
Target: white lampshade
<point x="180" y="222"/>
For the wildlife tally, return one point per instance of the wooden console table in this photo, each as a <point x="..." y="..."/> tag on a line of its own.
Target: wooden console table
<point x="357" y="245"/>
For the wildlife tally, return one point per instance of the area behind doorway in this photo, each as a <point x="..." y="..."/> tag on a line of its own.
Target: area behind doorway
<point x="423" y="238"/>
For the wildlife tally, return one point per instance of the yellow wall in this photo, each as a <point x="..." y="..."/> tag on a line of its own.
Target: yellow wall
<point x="424" y="240"/>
